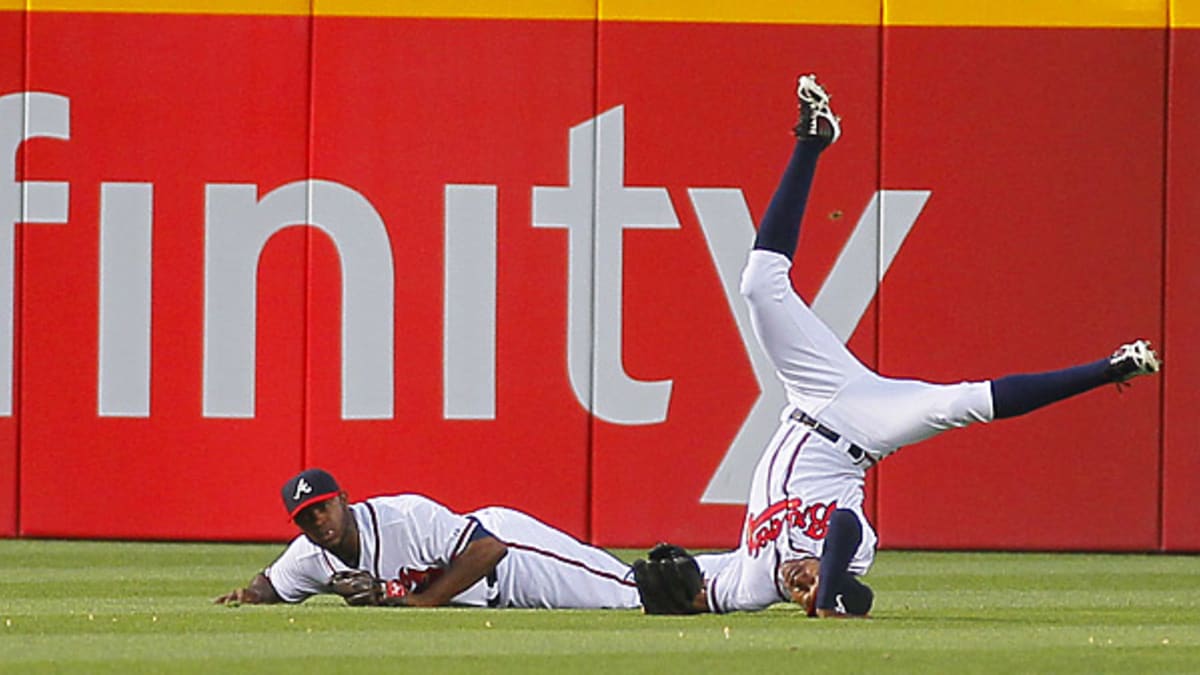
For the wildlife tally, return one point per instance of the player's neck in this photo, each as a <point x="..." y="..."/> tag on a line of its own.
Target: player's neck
<point x="347" y="550"/>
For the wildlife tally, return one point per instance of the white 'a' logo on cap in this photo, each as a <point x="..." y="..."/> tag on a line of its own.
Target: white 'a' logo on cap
<point x="301" y="488"/>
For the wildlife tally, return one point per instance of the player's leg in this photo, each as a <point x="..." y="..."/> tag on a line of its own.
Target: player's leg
<point x="1018" y="394"/>
<point x="919" y="410"/>
<point x="816" y="130"/>
<point x="808" y="356"/>
<point x="546" y="567"/>
<point x="887" y="414"/>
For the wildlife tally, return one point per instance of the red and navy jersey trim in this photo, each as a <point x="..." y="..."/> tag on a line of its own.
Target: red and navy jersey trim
<point x="378" y="539"/>
<point x="465" y="538"/>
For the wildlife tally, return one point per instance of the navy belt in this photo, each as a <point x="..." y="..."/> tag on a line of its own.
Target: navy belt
<point x="856" y="453"/>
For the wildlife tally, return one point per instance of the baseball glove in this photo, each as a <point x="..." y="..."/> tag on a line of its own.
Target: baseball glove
<point x="669" y="581"/>
<point x="361" y="588"/>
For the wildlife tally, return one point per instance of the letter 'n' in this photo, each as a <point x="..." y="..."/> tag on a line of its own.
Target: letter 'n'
<point x="237" y="227"/>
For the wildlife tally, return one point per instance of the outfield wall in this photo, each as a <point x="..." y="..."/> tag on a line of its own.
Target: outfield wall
<point x="518" y="285"/>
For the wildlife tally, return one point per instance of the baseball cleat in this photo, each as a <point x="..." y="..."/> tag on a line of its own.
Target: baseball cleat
<point x="817" y="121"/>
<point x="1133" y="359"/>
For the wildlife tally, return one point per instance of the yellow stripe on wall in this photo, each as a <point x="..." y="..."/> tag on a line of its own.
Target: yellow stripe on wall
<point x="850" y="12"/>
<point x="1185" y="13"/>
<point x="858" y="12"/>
<point x="250" y="7"/>
<point x="460" y="9"/>
<point x="1000" y="13"/>
<point x="1028" y="13"/>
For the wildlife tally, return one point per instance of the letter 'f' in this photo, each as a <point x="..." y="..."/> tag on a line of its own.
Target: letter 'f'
<point x="23" y="116"/>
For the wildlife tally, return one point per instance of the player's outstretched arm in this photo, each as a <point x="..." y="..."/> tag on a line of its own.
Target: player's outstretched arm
<point x="258" y="592"/>
<point x="478" y="560"/>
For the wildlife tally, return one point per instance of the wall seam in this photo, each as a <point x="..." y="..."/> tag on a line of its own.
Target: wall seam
<point x="589" y="521"/>
<point x="1168" y="44"/>
<point x="880" y="43"/>
<point x="306" y="332"/>
<point x="18" y="344"/>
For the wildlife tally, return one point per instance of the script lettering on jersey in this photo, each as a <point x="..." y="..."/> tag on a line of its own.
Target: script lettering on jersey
<point x="416" y="580"/>
<point x="766" y="527"/>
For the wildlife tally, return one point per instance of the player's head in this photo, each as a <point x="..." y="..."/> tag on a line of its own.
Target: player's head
<point x="318" y="506"/>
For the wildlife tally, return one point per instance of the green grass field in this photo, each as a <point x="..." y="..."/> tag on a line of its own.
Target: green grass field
<point x="133" y="607"/>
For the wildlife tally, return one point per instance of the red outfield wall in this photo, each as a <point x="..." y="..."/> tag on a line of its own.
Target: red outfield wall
<point x="1181" y="424"/>
<point x="527" y="230"/>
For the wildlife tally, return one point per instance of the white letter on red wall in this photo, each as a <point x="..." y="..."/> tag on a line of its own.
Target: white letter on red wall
<point x="595" y="208"/>
<point x="237" y="227"/>
<point x="125" y="281"/>
<point x="23" y="116"/>
<point x="469" y="304"/>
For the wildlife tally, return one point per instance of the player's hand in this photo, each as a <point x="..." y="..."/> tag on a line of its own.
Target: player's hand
<point x="670" y="582"/>
<point x="238" y="596"/>
<point x="258" y="592"/>
<point x="362" y="588"/>
<point x="801" y="578"/>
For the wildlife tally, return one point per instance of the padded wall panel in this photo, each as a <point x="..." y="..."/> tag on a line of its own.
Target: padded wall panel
<point x="416" y="114"/>
<point x="12" y="82"/>
<point x="716" y="115"/>
<point x="1181" y="424"/>
<point x="1041" y="247"/>
<point x="200" y="101"/>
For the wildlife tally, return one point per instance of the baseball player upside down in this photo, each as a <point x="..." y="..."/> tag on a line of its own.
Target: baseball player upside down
<point x="805" y="537"/>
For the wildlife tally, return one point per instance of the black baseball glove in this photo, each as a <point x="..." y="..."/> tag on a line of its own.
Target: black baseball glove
<point x="669" y="581"/>
<point x="362" y="588"/>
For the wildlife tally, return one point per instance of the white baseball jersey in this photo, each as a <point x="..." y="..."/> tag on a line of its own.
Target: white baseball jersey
<point x="802" y="476"/>
<point x="414" y="539"/>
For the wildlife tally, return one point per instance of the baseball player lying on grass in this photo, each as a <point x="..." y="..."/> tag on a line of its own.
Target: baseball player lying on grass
<point x="408" y="550"/>
<point x="806" y="538"/>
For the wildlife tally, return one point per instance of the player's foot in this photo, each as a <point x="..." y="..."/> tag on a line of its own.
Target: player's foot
<point x="1131" y="360"/>
<point x="817" y="122"/>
